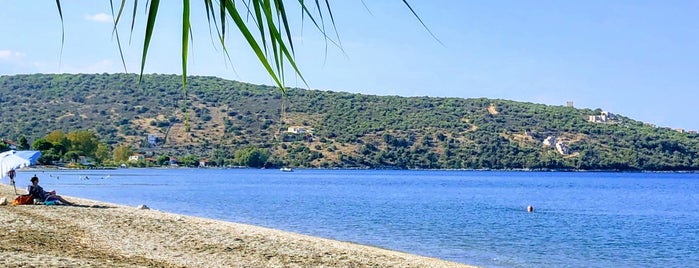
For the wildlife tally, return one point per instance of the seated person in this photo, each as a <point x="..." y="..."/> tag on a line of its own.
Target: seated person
<point x="38" y="193"/>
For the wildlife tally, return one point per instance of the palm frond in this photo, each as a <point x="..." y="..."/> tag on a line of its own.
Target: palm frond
<point x="421" y="22"/>
<point x="63" y="30"/>
<point x="150" y="25"/>
<point x="266" y="30"/>
<point x="186" y="31"/>
<point x="115" y="31"/>
<point x="245" y="31"/>
<point x="133" y="18"/>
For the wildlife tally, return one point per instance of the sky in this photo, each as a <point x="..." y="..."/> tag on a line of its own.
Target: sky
<point x="631" y="57"/>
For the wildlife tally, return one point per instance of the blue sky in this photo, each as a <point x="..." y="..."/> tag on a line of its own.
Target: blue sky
<point x="636" y="58"/>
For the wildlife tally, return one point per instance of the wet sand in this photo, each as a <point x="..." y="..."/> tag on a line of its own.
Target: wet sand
<point x="98" y="234"/>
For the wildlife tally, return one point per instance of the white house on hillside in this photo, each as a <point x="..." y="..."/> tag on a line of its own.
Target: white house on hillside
<point x="136" y="157"/>
<point x="603" y="117"/>
<point x="152" y="139"/>
<point x="297" y="130"/>
<point x="560" y="146"/>
<point x="550" y="141"/>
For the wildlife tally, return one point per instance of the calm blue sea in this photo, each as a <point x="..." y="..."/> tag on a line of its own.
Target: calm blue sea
<point x="580" y="219"/>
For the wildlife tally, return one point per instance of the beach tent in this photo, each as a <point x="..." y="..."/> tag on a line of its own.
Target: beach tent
<point x="12" y="160"/>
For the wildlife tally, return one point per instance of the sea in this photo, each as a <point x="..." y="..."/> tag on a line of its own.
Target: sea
<point x="580" y="219"/>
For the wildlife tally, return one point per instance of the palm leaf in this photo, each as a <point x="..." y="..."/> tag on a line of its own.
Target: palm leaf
<point x="133" y="18"/>
<point x="282" y="13"/>
<point x="115" y="31"/>
<point x="150" y="25"/>
<point x="63" y="31"/>
<point x="277" y="46"/>
<point x="332" y="19"/>
<point x="186" y="31"/>
<point x="321" y="29"/>
<point x="121" y="9"/>
<point x="421" y="22"/>
<point x="258" y="21"/>
<point x="273" y="34"/>
<point x="211" y="16"/>
<point x="233" y="12"/>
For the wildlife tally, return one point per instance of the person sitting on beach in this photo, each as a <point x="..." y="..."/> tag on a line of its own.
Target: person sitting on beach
<point x="38" y="192"/>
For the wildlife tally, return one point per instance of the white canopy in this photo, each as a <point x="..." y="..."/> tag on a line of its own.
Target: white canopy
<point x="17" y="159"/>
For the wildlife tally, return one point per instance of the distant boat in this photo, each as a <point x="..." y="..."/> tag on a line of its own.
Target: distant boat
<point x="286" y="169"/>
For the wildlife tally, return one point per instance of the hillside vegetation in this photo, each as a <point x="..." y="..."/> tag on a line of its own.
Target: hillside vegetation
<point x="342" y="130"/>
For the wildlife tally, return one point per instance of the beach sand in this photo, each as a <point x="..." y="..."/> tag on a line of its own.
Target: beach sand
<point x="98" y="234"/>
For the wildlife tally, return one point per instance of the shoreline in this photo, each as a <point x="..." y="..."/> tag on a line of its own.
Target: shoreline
<point x="99" y="234"/>
<point x="542" y="170"/>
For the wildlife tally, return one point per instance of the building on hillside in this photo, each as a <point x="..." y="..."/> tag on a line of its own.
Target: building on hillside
<point x="597" y="119"/>
<point x="153" y="139"/>
<point x="550" y="141"/>
<point x="603" y="117"/>
<point x="83" y="161"/>
<point x="562" y="148"/>
<point x="136" y="157"/>
<point x="569" y="104"/>
<point x="296" y="130"/>
<point x="202" y="162"/>
<point x="12" y="145"/>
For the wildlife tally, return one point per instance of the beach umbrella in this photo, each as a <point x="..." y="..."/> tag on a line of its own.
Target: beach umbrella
<point x="11" y="160"/>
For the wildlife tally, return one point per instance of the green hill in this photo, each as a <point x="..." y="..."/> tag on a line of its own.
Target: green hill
<point x="341" y="129"/>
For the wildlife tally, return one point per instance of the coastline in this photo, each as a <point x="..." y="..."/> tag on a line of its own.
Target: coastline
<point x="543" y="170"/>
<point x="99" y="234"/>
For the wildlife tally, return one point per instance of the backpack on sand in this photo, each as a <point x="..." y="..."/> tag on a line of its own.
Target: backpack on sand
<point x="25" y="199"/>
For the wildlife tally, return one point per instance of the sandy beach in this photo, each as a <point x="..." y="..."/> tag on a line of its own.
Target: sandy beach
<point x="98" y="234"/>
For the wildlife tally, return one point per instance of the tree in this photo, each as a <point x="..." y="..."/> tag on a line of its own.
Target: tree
<point x="251" y="157"/>
<point x="162" y="160"/>
<point x="58" y="137"/>
<point x="122" y="153"/>
<point x="84" y="141"/>
<point x="189" y="160"/>
<point x="102" y="153"/>
<point x="4" y="146"/>
<point x="72" y="156"/>
<point x="218" y="157"/>
<point x="59" y="140"/>
<point x="42" y="144"/>
<point x="23" y="143"/>
<point x="49" y="156"/>
<point x="60" y="148"/>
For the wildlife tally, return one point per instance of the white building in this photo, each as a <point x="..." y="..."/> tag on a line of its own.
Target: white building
<point x="297" y="130"/>
<point x="136" y="158"/>
<point x="152" y="139"/>
<point x="562" y="148"/>
<point x="603" y="117"/>
<point x="550" y="141"/>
